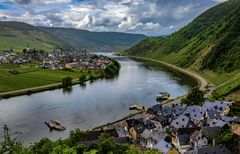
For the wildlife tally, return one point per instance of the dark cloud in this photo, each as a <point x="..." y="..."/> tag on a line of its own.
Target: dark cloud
<point x="3" y="18"/>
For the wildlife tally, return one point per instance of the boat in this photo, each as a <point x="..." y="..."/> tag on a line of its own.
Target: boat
<point x="162" y="96"/>
<point x="56" y="125"/>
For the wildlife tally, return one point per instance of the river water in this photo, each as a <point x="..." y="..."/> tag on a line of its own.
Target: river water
<point x="96" y="103"/>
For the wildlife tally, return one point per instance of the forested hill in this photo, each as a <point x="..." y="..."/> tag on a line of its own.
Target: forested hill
<point x="211" y="41"/>
<point x="18" y="35"/>
<point x="77" y="38"/>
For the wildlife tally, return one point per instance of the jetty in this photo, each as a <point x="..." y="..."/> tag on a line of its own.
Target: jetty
<point x="136" y="107"/>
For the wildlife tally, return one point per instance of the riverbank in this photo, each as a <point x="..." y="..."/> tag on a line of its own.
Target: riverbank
<point x="39" y="80"/>
<point x="29" y="91"/>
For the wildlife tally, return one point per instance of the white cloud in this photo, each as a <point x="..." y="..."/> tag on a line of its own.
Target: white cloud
<point x="152" y="17"/>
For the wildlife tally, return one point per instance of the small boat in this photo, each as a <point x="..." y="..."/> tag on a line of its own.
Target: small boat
<point x="56" y="125"/>
<point x="163" y="96"/>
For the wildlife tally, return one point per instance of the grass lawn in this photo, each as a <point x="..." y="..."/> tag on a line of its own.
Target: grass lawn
<point x="29" y="77"/>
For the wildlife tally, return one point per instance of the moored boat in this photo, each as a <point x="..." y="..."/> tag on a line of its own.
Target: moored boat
<point x="56" y="125"/>
<point x="162" y="96"/>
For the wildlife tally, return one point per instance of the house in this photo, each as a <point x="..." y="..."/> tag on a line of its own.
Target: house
<point x="195" y="113"/>
<point x="198" y="139"/>
<point x="210" y="150"/>
<point x="177" y="110"/>
<point x="154" y="109"/>
<point x="136" y="130"/>
<point x="236" y="127"/>
<point x="194" y="137"/>
<point x="222" y="108"/>
<point x="211" y="133"/>
<point x="214" y="119"/>
<point x="181" y="140"/>
<point x="72" y="65"/>
<point x="164" y="121"/>
<point x="151" y="137"/>
<point x="163" y="146"/>
<point x="148" y="124"/>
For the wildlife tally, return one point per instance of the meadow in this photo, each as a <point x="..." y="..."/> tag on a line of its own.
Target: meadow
<point x="15" y="77"/>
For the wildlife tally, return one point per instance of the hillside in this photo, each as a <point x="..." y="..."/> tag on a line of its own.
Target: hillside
<point x="209" y="45"/>
<point x="17" y="36"/>
<point x="77" y="38"/>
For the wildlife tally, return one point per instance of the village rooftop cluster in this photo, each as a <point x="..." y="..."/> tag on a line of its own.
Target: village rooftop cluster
<point x="57" y="59"/>
<point x="177" y="128"/>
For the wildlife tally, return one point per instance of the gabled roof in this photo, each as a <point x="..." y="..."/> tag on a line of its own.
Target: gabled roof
<point x="227" y="118"/>
<point x="217" y="105"/>
<point x="211" y="132"/>
<point x="194" y="135"/>
<point x="139" y="128"/>
<point x="213" y="114"/>
<point x="180" y="122"/>
<point x="217" y="123"/>
<point x="155" y="135"/>
<point x="163" y="146"/>
<point x="195" y="112"/>
<point x="155" y="108"/>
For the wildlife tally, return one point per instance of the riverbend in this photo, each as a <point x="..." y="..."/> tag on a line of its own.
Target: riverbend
<point x="96" y="103"/>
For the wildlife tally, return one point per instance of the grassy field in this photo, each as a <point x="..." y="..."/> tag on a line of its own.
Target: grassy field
<point x="217" y="78"/>
<point x="226" y="88"/>
<point x="29" y="76"/>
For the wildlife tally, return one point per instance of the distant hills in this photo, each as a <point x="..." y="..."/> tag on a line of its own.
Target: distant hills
<point x="211" y="41"/>
<point x="18" y="35"/>
<point x="77" y="38"/>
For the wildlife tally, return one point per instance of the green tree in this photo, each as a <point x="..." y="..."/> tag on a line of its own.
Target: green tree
<point x="82" y="78"/>
<point x="194" y="97"/>
<point x="43" y="146"/>
<point x="10" y="145"/>
<point x="67" y="81"/>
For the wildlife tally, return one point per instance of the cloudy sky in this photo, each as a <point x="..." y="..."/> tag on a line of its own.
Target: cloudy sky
<point x="150" y="17"/>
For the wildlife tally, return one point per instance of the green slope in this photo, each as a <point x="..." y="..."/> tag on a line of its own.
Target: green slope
<point x="77" y="38"/>
<point x="209" y="45"/>
<point x="17" y="36"/>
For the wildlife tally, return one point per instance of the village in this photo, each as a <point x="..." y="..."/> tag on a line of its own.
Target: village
<point x="175" y="128"/>
<point x="56" y="60"/>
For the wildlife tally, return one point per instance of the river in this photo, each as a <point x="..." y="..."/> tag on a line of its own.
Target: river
<point x="84" y="107"/>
